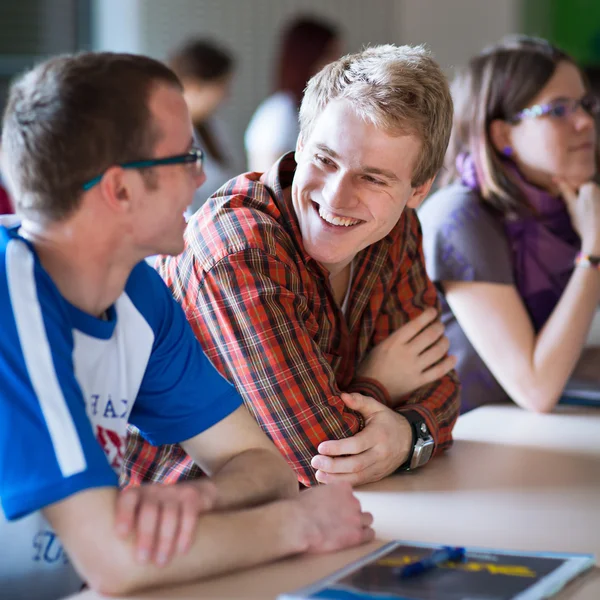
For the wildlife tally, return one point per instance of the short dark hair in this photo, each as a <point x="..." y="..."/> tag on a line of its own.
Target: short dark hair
<point x="303" y="44"/>
<point x="202" y="60"/>
<point x="72" y="117"/>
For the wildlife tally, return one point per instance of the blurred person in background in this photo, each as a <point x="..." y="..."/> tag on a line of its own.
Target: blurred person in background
<point x="307" y="45"/>
<point x="206" y="71"/>
<point x="512" y="239"/>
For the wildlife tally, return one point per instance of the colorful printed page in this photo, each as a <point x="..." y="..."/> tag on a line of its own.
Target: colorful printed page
<point x="485" y="574"/>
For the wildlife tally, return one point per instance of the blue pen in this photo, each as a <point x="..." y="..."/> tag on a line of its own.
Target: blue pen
<point x="437" y="557"/>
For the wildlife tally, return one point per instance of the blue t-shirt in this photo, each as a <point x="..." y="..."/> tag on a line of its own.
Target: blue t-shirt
<point x="69" y="384"/>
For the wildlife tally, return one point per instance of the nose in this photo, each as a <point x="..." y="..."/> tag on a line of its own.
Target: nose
<point x="582" y="119"/>
<point x="199" y="177"/>
<point x="339" y="191"/>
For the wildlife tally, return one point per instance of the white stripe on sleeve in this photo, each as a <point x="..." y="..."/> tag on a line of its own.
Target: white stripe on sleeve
<point x="38" y="359"/>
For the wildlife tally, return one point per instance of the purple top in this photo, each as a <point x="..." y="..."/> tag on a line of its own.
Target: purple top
<point x="543" y="245"/>
<point x="465" y="240"/>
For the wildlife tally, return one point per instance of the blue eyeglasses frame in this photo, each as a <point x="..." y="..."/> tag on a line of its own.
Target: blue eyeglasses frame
<point x="193" y="156"/>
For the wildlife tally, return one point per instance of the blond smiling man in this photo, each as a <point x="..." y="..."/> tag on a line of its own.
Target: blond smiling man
<point x="306" y="285"/>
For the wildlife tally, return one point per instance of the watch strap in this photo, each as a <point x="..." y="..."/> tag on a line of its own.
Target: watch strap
<point x="413" y="418"/>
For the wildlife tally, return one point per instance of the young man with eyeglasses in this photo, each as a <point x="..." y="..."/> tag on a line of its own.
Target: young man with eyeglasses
<point x="98" y="153"/>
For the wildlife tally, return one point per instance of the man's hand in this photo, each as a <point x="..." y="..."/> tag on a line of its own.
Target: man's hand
<point x="376" y="451"/>
<point x="163" y="518"/>
<point x="413" y="356"/>
<point x="331" y="519"/>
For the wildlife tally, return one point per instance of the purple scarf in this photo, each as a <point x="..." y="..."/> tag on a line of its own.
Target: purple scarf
<point x="543" y="246"/>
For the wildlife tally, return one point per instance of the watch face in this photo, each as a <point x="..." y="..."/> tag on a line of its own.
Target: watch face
<point x="422" y="453"/>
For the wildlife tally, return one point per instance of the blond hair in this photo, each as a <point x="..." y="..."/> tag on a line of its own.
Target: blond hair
<point x="399" y="89"/>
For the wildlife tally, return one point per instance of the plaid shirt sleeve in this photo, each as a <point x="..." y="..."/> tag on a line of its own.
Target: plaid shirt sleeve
<point x="438" y="402"/>
<point x="252" y="319"/>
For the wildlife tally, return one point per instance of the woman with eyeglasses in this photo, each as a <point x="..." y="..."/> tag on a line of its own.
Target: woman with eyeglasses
<point x="512" y="238"/>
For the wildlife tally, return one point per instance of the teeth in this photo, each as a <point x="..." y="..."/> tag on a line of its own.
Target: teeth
<point x="330" y="218"/>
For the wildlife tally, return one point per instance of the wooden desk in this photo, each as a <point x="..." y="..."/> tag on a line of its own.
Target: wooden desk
<point x="512" y="480"/>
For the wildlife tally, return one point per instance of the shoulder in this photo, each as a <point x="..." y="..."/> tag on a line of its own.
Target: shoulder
<point x="147" y="296"/>
<point x="455" y="202"/>
<point x="463" y="239"/>
<point x="278" y="104"/>
<point x="458" y="210"/>
<point x="23" y="281"/>
<point x="242" y="216"/>
<point x="275" y="121"/>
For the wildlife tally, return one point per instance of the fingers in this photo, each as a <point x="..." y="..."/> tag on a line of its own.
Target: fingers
<point x="433" y="354"/>
<point x="567" y="191"/>
<point x="439" y="370"/>
<point x="167" y="528"/>
<point x="146" y="528"/>
<point x="190" y="508"/>
<point x="368" y="535"/>
<point x="126" y="509"/>
<point x="352" y="445"/>
<point x="427" y="337"/>
<point x="343" y="464"/>
<point x="366" y="519"/>
<point x="408" y="331"/>
<point x="365" y="405"/>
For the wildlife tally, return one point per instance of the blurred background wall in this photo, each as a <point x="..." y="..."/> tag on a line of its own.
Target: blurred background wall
<point x="453" y="29"/>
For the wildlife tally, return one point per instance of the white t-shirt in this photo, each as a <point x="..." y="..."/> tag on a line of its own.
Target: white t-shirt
<point x="273" y="129"/>
<point x="70" y="383"/>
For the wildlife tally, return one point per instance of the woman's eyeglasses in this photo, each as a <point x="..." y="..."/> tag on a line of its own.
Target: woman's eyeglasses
<point x="559" y="109"/>
<point x="193" y="157"/>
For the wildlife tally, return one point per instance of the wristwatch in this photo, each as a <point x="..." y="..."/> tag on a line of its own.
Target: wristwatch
<point x="422" y="442"/>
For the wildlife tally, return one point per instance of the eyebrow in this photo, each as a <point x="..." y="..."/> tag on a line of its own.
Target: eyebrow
<point x="370" y="170"/>
<point x="565" y="99"/>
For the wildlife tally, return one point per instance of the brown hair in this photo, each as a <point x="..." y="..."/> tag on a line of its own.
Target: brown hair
<point x="303" y="44"/>
<point x="72" y="117"/>
<point x="399" y="89"/>
<point x="496" y="84"/>
<point x="204" y="62"/>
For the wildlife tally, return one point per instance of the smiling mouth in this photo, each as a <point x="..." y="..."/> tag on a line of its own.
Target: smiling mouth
<point x="332" y="219"/>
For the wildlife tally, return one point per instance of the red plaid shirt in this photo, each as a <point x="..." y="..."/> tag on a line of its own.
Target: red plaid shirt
<point x="266" y="317"/>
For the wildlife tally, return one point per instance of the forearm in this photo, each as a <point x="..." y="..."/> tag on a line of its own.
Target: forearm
<point x="252" y="478"/>
<point x="559" y="343"/>
<point x="223" y="542"/>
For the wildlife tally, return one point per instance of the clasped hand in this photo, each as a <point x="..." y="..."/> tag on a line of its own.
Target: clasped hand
<point x="163" y="518"/>
<point x="413" y="356"/>
<point x="376" y="451"/>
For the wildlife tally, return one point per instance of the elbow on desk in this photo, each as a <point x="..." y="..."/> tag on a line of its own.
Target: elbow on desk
<point x="536" y="400"/>
<point x="110" y="568"/>
<point x="113" y="578"/>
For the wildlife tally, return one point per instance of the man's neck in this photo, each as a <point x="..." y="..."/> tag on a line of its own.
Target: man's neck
<point x="339" y="284"/>
<point x="88" y="269"/>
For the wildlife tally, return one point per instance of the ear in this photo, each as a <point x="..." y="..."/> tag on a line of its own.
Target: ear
<point x="115" y="187"/>
<point x="419" y="193"/>
<point x="299" y="147"/>
<point x="500" y="135"/>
